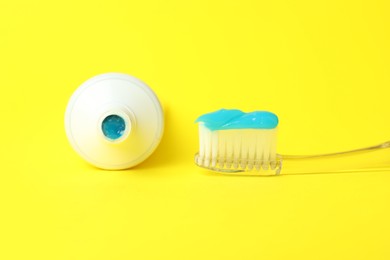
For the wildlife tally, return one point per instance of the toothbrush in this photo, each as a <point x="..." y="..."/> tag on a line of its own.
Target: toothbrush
<point x="238" y="143"/>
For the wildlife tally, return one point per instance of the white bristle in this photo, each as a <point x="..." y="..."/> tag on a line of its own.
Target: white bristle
<point x="241" y="149"/>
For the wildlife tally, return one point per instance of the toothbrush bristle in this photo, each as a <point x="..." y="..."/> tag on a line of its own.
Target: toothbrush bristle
<point x="238" y="150"/>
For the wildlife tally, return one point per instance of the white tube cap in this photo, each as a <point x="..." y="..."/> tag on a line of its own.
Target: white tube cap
<point x="114" y="121"/>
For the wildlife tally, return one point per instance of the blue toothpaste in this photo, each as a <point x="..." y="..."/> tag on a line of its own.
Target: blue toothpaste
<point x="226" y="119"/>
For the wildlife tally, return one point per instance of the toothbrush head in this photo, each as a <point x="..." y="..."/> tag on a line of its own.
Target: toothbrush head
<point x="234" y="142"/>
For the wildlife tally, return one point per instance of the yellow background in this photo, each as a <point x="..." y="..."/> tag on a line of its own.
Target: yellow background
<point x="321" y="66"/>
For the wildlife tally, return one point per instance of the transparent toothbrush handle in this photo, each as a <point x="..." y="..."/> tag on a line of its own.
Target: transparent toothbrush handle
<point x="370" y="158"/>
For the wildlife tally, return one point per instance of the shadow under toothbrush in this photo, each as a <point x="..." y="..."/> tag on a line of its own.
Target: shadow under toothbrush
<point x="213" y="173"/>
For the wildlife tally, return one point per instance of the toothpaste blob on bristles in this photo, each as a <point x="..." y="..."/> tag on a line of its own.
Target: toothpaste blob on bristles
<point x="236" y="119"/>
<point x="232" y="139"/>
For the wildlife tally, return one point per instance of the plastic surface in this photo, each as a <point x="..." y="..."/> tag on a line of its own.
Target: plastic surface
<point x="114" y="121"/>
<point x="372" y="158"/>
